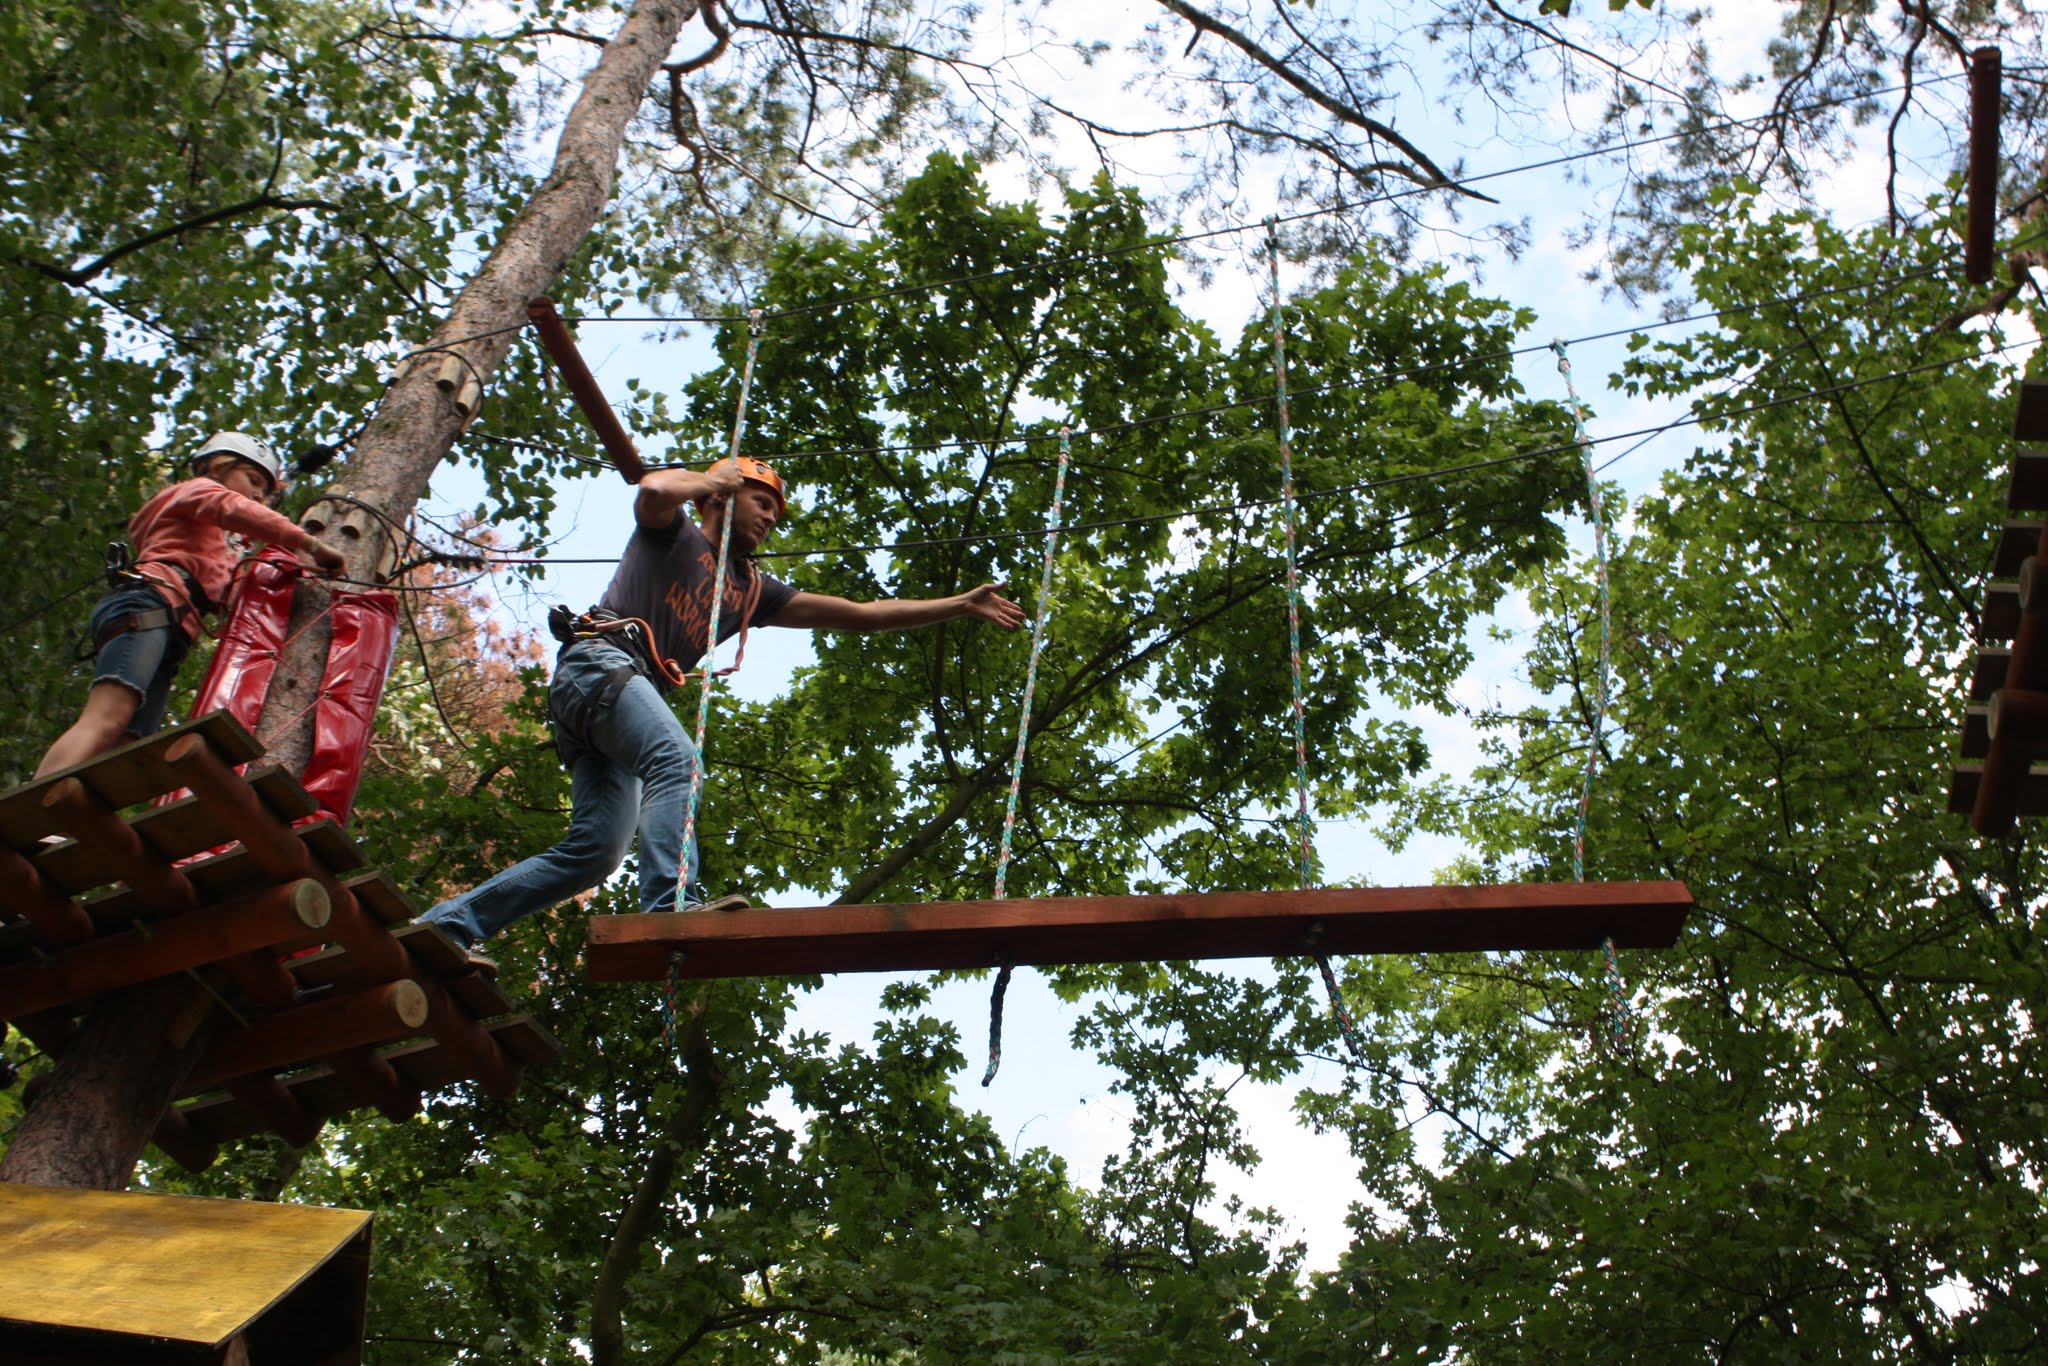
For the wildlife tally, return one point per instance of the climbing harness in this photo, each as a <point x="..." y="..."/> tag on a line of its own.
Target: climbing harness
<point x="1305" y="831"/>
<point x="1054" y="521"/>
<point x="1617" y="985"/>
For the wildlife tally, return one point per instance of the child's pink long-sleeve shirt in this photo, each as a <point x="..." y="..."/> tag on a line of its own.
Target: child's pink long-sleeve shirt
<point x="187" y="525"/>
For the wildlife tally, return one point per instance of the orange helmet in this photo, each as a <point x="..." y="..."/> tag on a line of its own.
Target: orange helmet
<point x="756" y="472"/>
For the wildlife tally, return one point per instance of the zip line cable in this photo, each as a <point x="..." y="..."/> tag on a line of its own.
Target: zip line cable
<point x="1455" y="182"/>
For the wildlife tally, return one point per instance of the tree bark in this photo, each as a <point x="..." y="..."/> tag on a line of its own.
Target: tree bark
<point x="89" y="1124"/>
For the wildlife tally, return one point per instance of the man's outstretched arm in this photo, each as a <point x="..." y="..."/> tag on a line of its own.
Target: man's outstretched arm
<point x="823" y="612"/>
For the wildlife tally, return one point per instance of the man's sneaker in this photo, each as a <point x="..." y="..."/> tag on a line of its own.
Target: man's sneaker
<point x="734" y="902"/>
<point x="479" y="963"/>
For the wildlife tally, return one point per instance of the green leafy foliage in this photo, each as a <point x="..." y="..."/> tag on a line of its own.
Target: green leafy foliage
<point x="1816" y="1147"/>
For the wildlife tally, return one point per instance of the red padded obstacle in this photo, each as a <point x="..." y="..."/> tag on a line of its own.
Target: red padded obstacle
<point x="365" y="633"/>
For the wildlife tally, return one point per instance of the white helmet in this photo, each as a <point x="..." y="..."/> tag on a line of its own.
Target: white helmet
<point x="241" y="447"/>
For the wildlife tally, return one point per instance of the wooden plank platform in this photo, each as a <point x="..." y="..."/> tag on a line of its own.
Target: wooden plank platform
<point x="174" y="863"/>
<point x="123" y="777"/>
<point x="1119" y="929"/>
<point x="116" y="1276"/>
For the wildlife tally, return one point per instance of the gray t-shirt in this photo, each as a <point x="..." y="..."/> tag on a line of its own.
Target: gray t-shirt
<point x="664" y="578"/>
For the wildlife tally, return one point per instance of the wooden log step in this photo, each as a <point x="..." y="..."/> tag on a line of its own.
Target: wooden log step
<point x="2030" y="415"/>
<point x="2018" y="539"/>
<point x="1976" y="732"/>
<point x="1989" y="673"/>
<point x="321" y="1091"/>
<point x="107" y="962"/>
<point x="122" y="777"/>
<point x="1964" y="780"/>
<point x="2028" y="489"/>
<point x="434" y="956"/>
<point x="1118" y="929"/>
<point x="2000" y="620"/>
<point x="377" y="1015"/>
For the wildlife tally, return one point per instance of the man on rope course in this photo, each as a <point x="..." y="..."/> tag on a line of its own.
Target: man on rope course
<point x="629" y="759"/>
<point x="180" y="568"/>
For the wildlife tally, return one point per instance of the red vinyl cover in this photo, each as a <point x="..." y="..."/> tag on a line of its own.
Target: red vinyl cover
<point x="358" y="663"/>
<point x="246" y="657"/>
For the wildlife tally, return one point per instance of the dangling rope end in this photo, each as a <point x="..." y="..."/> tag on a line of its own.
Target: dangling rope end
<point x="995" y="1024"/>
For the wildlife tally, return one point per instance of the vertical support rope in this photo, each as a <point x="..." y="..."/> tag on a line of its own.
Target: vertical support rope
<point x="1617" y="985"/>
<point x="1053" y="524"/>
<point x="1305" y="831"/>
<point x="739" y="427"/>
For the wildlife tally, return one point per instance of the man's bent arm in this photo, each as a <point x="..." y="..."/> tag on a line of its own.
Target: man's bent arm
<point x="662" y="492"/>
<point x="823" y="612"/>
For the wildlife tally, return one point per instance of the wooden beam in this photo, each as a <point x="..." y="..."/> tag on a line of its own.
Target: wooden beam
<point x="24" y="893"/>
<point x="1980" y="231"/>
<point x="280" y="852"/>
<point x="382" y="1014"/>
<point x="1120" y="929"/>
<point x="191" y="940"/>
<point x="2028" y="489"/>
<point x="2030" y="417"/>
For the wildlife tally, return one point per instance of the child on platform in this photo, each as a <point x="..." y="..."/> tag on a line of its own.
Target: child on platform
<point x="182" y="565"/>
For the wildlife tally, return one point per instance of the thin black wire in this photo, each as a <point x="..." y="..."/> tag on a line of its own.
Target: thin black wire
<point x="1152" y="243"/>
<point x="1348" y="206"/>
<point x="63" y="597"/>
<point x="1359" y="486"/>
<point x="1209" y="410"/>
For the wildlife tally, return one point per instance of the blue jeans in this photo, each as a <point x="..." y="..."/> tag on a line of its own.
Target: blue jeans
<point x="146" y="660"/>
<point x="630" y="766"/>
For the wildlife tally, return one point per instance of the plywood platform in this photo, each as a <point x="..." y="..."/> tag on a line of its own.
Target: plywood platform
<point x="1116" y="929"/>
<point x="132" y="1277"/>
<point x="167" y="862"/>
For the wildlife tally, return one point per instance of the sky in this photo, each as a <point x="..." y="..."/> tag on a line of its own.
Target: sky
<point x="1050" y="1094"/>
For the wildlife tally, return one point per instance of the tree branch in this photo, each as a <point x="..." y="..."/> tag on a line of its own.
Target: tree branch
<point x="79" y="276"/>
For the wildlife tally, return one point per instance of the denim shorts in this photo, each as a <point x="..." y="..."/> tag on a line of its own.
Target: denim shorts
<point x="145" y="660"/>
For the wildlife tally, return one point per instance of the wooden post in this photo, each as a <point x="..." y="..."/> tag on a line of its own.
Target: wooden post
<point x="554" y="335"/>
<point x="1981" y="235"/>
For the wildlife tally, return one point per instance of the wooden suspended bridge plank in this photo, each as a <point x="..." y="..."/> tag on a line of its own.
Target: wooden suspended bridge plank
<point x="138" y="1270"/>
<point x="1119" y="929"/>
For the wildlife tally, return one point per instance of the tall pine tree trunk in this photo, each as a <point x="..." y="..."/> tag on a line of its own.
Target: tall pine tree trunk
<point x="89" y="1123"/>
